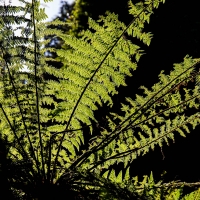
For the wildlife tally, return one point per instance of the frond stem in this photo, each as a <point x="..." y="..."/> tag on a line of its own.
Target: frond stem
<point x="36" y="84"/>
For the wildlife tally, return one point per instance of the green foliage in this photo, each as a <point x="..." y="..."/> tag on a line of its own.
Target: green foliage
<point x="127" y="188"/>
<point x="45" y="145"/>
<point x="192" y="195"/>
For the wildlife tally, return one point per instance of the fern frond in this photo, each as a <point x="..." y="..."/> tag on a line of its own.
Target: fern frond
<point x="145" y="112"/>
<point x="22" y="118"/>
<point x="96" y="64"/>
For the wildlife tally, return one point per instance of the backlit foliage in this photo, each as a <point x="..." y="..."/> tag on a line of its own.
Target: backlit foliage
<point x="94" y="66"/>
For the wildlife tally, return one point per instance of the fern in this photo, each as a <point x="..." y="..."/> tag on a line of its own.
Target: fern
<point x="21" y="103"/>
<point x="45" y="145"/>
<point x="141" y="115"/>
<point x="96" y="65"/>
